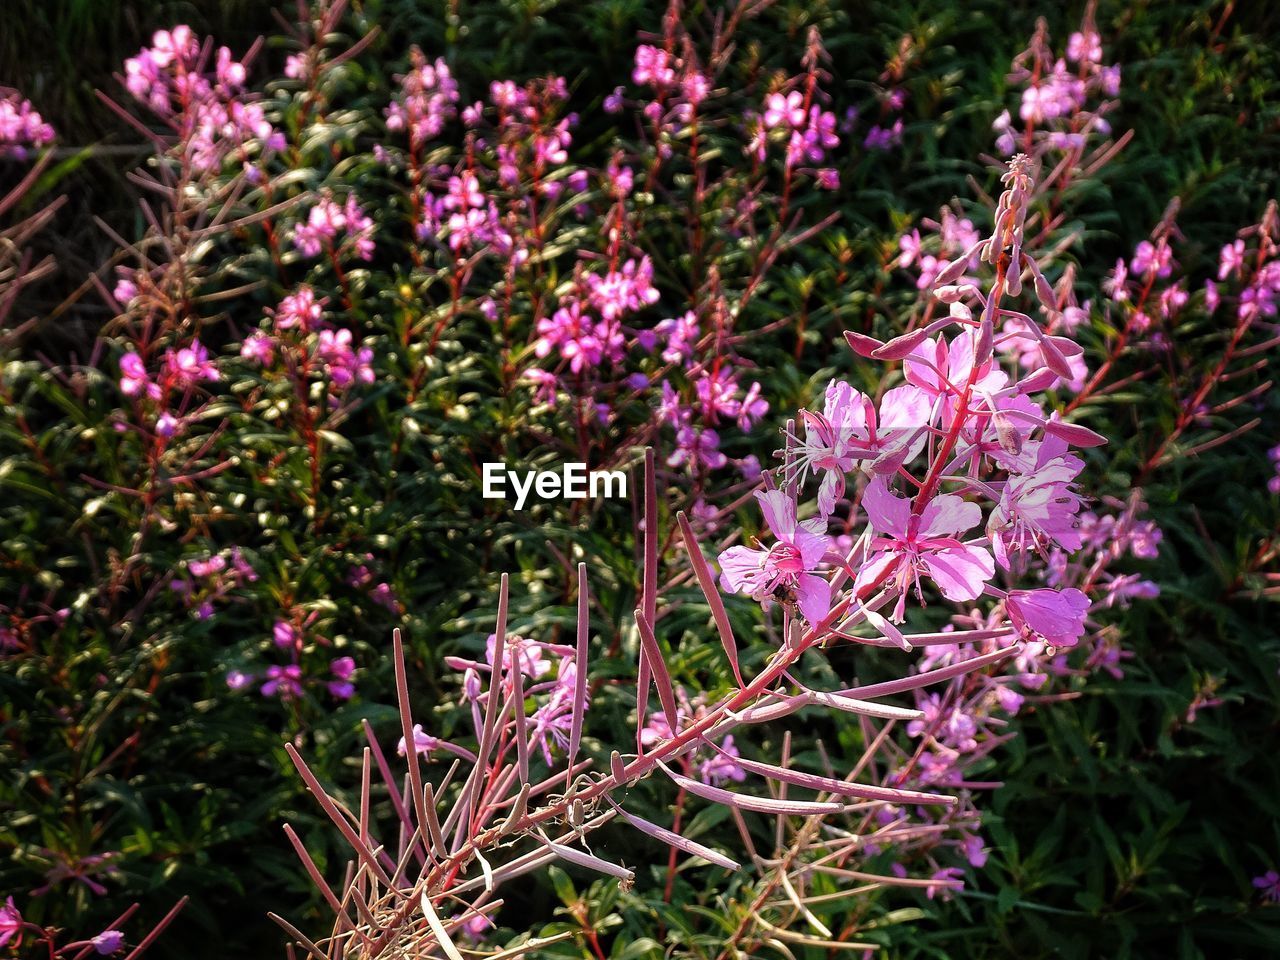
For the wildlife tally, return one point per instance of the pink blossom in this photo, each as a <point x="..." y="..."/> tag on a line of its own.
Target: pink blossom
<point x="784" y="110"/>
<point x="912" y="544"/>
<point x="1040" y="506"/>
<point x="1268" y="884"/>
<point x="1056" y="616"/>
<point x="527" y="652"/>
<point x="423" y="743"/>
<point x="721" y="767"/>
<point x="286" y="682"/>
<point x="300" y="309"/>
<point x="108" y="942"/>
<point x="785" y="570"/>
<point x="10" y="922"/>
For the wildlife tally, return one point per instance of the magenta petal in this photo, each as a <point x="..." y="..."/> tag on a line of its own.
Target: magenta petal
<point x="1056" y="615"/>
<point x="741" y="569"/>
<point x="946" y="515"/>
<point x="887" y="513"/>
<point x="960" y="572"/>
<point x="814" y="597"/>
<point x="779" y="512"/>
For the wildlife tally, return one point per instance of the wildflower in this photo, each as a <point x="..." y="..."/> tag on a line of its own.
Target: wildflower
<point x="10" y="923"/>
<point x="652" y="67"/>
<point x="911" y="544"/>
<point x="721" y="767"/>
<point x="1231" y="259"/>
<point x="189" y="365"/>
<point x="284" y="682"/>
<point x="784" y="110"/>
<point x="285" y="635"/>
<point x="1268" y="884"/>
<point x="1038" y="507"/>
<point x="700" y="448"/>
<point x="300" y="309"/>
<point x="108" y="942"/>
<point x="423" y="743"/>
<point x="785" y="570"/>
<point x="258" y="348"/>
<point x="518" y="649"/>
<point x="134" y="379"/>
<point x="1056" y="616"/>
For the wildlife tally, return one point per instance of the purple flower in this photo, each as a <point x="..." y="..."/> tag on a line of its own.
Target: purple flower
<point x="285" y="635"/>
<point x="423" y="743"/>
<point x="286" y="682"/>
<point x="926" y="543"/>
<point x="785" y="570"/>
<point x="1057" y="616"/>
<point x="301" y="309"/>
<point x="11" y="922"/>
<point x="1268" y="884"/>
<point x="108" y="942"/>
<point x="721" y="767"/>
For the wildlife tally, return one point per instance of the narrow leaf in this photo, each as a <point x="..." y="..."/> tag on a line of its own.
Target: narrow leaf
<point x="650" y="651"/>
<point x="709" y="590"/>
<point x="744" y="801"/>
<point x="675" y="840"/>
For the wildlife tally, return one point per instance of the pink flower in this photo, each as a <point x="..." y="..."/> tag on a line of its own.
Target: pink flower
<point x="658" y="728"/>
<point x="941" y="369"/>
<point x="134" y="378"/>
<point x="1231" y="260"/>
<point x="652" y="67"/>
<point x="850" y="430"/>
<point x="258" y="348"/>
<point x="423" y="743"/>
<point x="1268" y="884"/>
<point x="10" y="922"/>
<point x="190" y="365"/>
<point x="301" y="309"/>
<point x="286" y="682"/>
<point x="784" y="110"/>
<point x="720" y="767"/>
<point x="1056" y="616"/>
<point x="527" y="652"/>
<point x="924" y="543"/>
<point x="108" y="941"/>
<point x="1039" y="506"/>
<point x="785" y="570"/>
<point x="285" y="635"/>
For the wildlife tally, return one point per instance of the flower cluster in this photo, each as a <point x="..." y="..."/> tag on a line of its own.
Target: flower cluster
<point x="211" y="580"/>
<point x="208" y="109"/>
<point x="336" y="229"/>
<point x="1065" y="100"/>
<point x="21" y="128"/>
<point x="963" y="423"/>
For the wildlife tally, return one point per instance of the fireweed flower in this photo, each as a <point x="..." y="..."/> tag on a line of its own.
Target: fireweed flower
<point x="21" y="127"/>
<point x="108" y="942"/>
<point x="1056" y="616"/>
<point x="850" y="430"/>
<point x="784" y="571"/>
<point x="10" y="923"/>
<point x="423" y="742"/>
<point x="284" y="682"/>
<point x="1039" y="507"/>
<point x="913" y="544"/>
<point x="721" y="767"/>
<point x="519" y="649"/>
<point x="1268" y="885"/>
